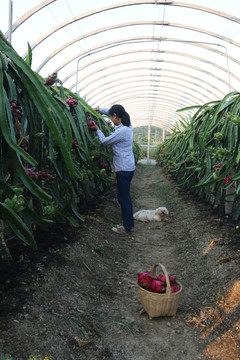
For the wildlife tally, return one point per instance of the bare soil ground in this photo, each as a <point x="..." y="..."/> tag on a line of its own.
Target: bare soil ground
<point x="77" y="297"/>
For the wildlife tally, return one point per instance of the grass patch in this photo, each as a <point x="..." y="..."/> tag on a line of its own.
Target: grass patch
<point x="166" y="194"/>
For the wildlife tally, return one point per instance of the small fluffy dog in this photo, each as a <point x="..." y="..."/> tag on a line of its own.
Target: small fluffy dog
<point x="151" y="215"/>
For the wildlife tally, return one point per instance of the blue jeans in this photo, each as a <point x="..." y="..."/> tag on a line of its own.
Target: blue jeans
<point x="123" y="192"/>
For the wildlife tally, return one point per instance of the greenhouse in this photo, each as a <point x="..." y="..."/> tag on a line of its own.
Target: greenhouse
<point x="119" y="180"/>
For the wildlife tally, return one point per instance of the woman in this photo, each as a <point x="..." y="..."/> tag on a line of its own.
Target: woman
<point x="123" y="160"/>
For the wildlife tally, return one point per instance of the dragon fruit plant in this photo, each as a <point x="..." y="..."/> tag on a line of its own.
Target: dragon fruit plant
<point x="201" y="154"/>
<point x="52" y="154"/>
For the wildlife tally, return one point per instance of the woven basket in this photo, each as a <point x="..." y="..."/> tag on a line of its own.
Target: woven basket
<point x="156" y="304"/>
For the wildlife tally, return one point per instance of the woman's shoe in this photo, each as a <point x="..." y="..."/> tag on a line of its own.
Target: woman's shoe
<point x="119" y="229"/>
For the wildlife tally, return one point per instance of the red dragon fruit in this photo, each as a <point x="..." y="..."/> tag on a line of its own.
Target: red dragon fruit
<point x="51" y="79"/>
<point x="71" y="102"/>
<point x="90" y="123"/>
<point x="227" y="180"/>
<point x="172" y="278"/>
<point x="161" y="278"/>
<point x="103" y="165"/>
<point x="145" y="280"/>
<point x="15" y="110"/>
<point x="174" y="288"/>
<point x="74" y="144"/>
<point x="156" y="286"/>
<point x="31" y="173"/>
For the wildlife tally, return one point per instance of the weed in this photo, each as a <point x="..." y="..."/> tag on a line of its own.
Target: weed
<point x="164" y="192"/>
<point x="6" y="357"/>
<point x="218" y="295"/>
<point x="33" y="356"/>
<point x="51" y="291"/>
<point x="181" y="248"/>
<point x="61" y="252"/>
<point x="209" y="276"/>
<point x="99" y="249"/>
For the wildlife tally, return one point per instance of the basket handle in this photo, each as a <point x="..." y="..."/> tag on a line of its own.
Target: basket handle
<point x="153" y="274"/>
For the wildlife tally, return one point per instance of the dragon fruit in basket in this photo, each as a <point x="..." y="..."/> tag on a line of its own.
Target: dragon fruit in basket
<point x="157" y="284"/>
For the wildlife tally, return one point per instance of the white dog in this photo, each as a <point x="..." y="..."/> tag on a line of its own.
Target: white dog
<point x="151" y="215"/>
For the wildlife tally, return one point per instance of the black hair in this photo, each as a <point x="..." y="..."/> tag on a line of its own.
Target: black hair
<point x="120" y="113"/>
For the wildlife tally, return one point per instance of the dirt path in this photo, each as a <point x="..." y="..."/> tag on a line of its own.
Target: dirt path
<point x="78" y="298"/>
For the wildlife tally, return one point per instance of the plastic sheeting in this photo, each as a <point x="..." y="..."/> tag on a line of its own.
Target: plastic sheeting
<point x="153" y="57"/>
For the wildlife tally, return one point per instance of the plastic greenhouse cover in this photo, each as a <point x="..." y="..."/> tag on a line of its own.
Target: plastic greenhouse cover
<point x="153" y="57"/>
